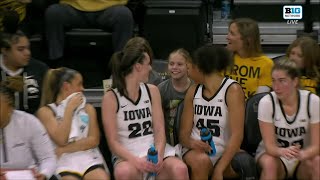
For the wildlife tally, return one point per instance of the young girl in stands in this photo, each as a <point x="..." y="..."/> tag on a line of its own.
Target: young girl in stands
<point x="289" y="123"/>
<point x="133" y="120"/>
<point x="72" y="125"/>
<point x="225" y="100"/>
<point x="251" y="67"/>
<point x="174" y="89"/>
<point x="24" y="142"/>
<point x="17" y="65"/>
<point x="305" y="52"/>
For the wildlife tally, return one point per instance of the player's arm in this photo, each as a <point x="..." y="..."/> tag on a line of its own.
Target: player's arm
<point x="314" y="148"/>
<point x="236" y="108"/>
<point x="157" y="120"/>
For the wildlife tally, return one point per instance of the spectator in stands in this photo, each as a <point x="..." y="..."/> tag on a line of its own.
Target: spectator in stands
<point x="219" y="105"/>
<point x="173" y="90"/>
<point x="133" y="120"/>
<point x="289" y="123"/>
<point x="109" y="15"/>
<point x="13" y="6"/>
<point x="154" y="77"/>
<point x="72" y="125"/>
<point x="24" y="142"/>
<point x="17" y="64"/>
<point x="305" y="52"/>
<point x="251" y="67"/>
<point x="28" y="11"/>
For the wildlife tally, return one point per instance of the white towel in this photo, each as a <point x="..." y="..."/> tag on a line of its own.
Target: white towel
<point x="79" y="119"/>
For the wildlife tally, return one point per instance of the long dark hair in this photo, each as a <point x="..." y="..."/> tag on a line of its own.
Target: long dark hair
<point x="212" y="58"/>
<point x="8" y="93"/>
<point x="122" y="65"/>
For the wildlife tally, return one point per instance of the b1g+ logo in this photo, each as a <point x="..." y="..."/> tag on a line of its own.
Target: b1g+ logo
<point x="292" y="13"/>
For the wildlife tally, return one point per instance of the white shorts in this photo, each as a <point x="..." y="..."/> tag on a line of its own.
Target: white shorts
<point x="168" y="151"/>
<point x="214" y="159"/>
<point x="78" y="163"/>
<point x="290" y="165"/>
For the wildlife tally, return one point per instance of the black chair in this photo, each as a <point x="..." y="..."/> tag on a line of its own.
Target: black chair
<point x="88" y="37"/>
<point x="244" y="161"/>
<point x="161" y="66"/>
<point x="252" y="135"/>
<point x="103" y="145"/>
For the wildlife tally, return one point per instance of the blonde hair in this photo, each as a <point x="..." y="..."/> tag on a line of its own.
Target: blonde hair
<point x="184" y="53"/>
<point x="289" y="66"/>
<point x="53" y="82"/>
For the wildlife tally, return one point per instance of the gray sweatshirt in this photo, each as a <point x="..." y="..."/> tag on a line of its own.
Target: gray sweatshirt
<point x="24" y="143"/>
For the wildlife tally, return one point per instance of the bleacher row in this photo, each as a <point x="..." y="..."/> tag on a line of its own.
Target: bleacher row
<point x="89" y="49"/>
<point x="86" y="49"/>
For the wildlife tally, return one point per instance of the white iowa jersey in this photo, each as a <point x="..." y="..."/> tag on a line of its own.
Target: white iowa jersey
<point x="80" y="120"/>
<point x="294" y="131"/>
<point x="212" y="113"/>
<point x="134" y="121"/>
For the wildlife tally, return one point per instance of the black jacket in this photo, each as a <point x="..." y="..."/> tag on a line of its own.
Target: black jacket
<point x="29" y="99"/>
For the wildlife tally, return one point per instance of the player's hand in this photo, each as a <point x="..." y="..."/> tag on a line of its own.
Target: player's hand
<point x="159" y="165"/>
<point x="290" y="152"/>
<point x="75" y="101"/>
<point x="143" y="165"/>
<point x="302" y="155"/>
<point x="199" y="145"/>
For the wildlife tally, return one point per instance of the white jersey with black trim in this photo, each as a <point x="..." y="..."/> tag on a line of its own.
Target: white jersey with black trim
<point x="82" y="125"/>
<point x="80" y="161"/>
<point x="292" y="129"/>
<point x="212" y="113"/>
<point x="134" y="121"/>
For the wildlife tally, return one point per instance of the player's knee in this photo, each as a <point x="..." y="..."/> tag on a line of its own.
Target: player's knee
<point x="180" y="169"/>
<point x="125" y="171"/>
<point x="268" y="163"/>
<point x="197" y="162"/>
